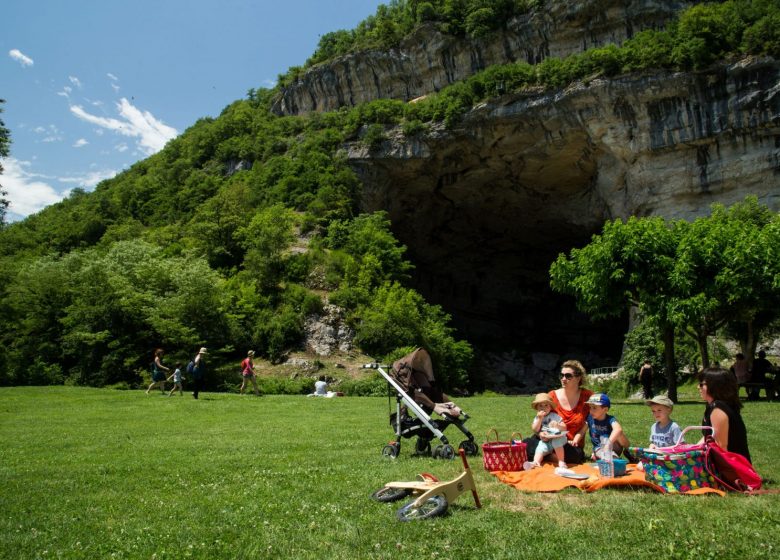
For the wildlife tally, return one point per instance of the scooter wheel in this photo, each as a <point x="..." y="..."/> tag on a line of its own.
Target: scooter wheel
<point x="447" y="452"/>
<point x="390" y="494"/>
<point x="469" y="447"/>
<point x="390" y="451"/>
<point x="433" y="506"/>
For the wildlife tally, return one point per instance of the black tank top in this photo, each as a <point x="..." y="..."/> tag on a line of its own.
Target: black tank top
<point x="737" y="432"/>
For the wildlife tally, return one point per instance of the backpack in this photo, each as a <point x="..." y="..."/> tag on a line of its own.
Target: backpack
<point x="191" y="367"/>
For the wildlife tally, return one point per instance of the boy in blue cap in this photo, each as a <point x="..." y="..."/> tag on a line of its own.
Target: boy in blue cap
<point x="601" y="424"/>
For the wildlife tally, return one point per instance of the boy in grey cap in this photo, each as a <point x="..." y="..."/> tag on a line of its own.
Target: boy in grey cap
<point x="664" y="432"/>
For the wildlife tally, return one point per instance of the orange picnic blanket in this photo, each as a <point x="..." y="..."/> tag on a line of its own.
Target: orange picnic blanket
<point x="544" y="479"/>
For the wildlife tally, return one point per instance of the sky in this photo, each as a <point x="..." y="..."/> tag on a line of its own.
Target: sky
<point x="93" y="86"/>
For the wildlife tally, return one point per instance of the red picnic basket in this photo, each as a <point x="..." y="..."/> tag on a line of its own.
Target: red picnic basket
<point x="504" y="455"/>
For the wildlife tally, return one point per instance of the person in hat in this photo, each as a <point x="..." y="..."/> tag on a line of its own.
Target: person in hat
<point x="602" y="424"/>
<point x="664" y="432"/>
<point x="549" y="426"/>
<point x="198" y="371"/>
<point x="248" y="373"/>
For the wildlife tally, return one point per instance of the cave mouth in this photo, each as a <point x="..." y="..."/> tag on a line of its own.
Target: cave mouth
<point x="492" y="276"/>
<point x="483" y="215"/>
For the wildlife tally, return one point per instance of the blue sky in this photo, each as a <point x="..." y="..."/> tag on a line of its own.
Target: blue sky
<point x="92" y="86"/>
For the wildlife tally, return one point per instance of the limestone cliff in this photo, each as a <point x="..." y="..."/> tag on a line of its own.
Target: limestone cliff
<point x="428" y="60"/>
<point x="484" y="208"/>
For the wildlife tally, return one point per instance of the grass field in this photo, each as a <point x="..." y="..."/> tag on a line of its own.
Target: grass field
<point x="89" y="473"/>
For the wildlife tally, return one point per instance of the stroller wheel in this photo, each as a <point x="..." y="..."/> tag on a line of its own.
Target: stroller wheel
<point x="391" y="450"/>
<point x="433" y="506"/>
<point x="469" y="447"/>
<point x="390" y="494"/>
<point x="422" y="447"/>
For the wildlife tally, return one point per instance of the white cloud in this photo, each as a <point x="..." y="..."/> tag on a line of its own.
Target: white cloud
<point x="75" y="81"/>
<point x="25" y="194"/>
<point x="20" y="57"/>
<point x="65" y="92"/>
<point x="151" y="133"/>
<point x="114" y="81"/>
<point x="80" y="143"/>
<point x="121" y="147"/>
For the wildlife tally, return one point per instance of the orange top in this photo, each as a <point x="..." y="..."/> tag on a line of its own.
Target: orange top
<point x="574" y="418"/>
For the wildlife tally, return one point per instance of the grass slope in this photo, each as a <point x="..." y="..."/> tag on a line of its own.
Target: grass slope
<point x="90" y="473"/>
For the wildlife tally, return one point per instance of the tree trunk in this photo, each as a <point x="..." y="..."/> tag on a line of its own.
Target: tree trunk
<point x="671" y="365"/>
<point x="704" y="351"/>
<point x="752" y="342"/>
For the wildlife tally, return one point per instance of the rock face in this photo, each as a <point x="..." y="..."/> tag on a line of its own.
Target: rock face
<point x="486" y="207"/>
<point x="328" y="332"/>
<point x="428" y="60"/>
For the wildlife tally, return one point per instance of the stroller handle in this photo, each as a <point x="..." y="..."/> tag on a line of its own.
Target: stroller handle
<point x="374" y="365"/>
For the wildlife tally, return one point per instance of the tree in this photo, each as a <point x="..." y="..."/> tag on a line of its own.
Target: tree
<point x="266" y="239"/>
<point x="724" y="272"/>
<point x="628" y="264"/>
<point x="5" y="142"/>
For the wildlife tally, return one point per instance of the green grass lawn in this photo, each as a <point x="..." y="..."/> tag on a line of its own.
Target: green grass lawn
<point x="89" y="473"/>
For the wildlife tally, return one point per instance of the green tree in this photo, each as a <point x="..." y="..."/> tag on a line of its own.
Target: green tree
<point x="724" y="272"/>
<point x="5" y="143"/>
<point x="267" y="239"/>
<point x="628" y="264"/>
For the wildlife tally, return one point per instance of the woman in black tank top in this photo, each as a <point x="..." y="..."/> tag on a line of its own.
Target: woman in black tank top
<point x="720" y="391"/>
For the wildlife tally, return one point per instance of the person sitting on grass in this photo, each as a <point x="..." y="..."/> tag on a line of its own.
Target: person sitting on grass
<point x="601" y="424"/>
<point x="664" y="432"/>
<point x="551" y="431"/>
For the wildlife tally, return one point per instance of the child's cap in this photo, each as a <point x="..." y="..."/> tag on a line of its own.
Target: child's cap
<point x="542" y="398"/>
<point x="599" y="399"/>
<point x="660" y="399"/>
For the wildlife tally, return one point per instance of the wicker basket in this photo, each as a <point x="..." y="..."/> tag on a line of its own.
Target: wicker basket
<point x="503" y="455"/>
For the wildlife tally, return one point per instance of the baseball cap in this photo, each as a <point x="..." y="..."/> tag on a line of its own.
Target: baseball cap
<point x="599" y="399"/>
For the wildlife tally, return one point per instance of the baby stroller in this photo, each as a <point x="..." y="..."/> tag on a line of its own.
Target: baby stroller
<point x="411" y="380"/>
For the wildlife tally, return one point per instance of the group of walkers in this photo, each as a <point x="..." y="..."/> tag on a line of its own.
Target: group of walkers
<point x="565" y="415"/>
<point x="196" y="368"/>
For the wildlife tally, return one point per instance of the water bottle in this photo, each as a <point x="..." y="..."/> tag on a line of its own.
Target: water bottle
<point x="606" y="457"/>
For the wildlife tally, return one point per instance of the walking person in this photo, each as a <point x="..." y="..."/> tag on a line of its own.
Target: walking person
<point x="646" y="379"/>
<point x="177" y="378"/>
<point x="158" y="371"/>
<point x="248" y="373"/>
<point x="198" y="371"/>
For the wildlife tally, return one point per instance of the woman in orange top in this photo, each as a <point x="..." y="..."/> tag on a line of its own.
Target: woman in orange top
<point x="571" y="405"/>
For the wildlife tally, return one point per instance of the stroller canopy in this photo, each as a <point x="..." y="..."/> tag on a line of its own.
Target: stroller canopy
<point x="414" y="372"/>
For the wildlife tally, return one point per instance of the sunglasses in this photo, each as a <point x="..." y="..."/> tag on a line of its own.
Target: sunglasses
<point x="568" y="375"/>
